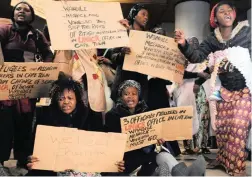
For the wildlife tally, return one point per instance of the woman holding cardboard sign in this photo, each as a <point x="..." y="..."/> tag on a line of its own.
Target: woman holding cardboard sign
<point x="137" y="20"/>
<point x="67" y="109"/>
<point x="230" y="47"/>
<point x="152" y="163"/>
<point x="20" y="43"/>
<point x="130" y="103"/>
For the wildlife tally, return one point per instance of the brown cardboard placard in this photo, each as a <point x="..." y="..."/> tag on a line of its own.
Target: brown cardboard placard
<point x="85" y="25"/>
<point x="154" y="55"/>
<point x="27" y="80"/>
<point x="85" y="151"/>
<point x="146" y="128"/>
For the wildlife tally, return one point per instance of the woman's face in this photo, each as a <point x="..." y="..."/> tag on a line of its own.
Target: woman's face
<point x="67" y="101"/>
<point x="22" y="14"/>
<point x="142" y="18"/>
<point x="130" y="97"/>
<point x="225" y="16"/>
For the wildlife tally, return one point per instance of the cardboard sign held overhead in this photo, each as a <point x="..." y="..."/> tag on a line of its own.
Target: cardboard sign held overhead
<point x="77" y="25"/>
<point x="168" y="123"/>
<point x="69" y="148"/>
<point x="155" y="55"/>
<point x="27" y="80"/>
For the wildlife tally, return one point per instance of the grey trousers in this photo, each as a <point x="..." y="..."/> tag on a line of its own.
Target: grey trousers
<point x="167" y="160"/>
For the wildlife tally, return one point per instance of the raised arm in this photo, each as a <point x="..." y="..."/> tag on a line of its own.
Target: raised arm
<point x="194" y="55"/>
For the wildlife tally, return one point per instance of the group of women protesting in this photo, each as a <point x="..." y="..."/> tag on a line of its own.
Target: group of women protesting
<point x="227" y="52"/>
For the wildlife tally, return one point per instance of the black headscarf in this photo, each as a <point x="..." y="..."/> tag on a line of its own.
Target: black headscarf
<point x="134" y="11"/>
<point x="31" y="8"/>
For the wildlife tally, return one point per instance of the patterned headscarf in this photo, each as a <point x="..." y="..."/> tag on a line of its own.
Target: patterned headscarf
<point x="133" y="12"/>
<point x="129" y="83"/>
<point x="31" y="8"/>
<point x="213" y="23"/>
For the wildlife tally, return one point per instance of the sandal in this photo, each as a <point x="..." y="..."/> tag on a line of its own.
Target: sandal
<point x="205" y="151"/>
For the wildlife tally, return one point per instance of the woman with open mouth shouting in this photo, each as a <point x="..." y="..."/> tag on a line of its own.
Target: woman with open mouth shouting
<point x="230" y="47"/>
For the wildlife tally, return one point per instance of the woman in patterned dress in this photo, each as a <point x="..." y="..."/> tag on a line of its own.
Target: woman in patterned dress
<point x="230" y="45"/>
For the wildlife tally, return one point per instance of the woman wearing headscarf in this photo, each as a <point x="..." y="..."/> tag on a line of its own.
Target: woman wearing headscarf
<point x="137" y="20"/>
<point x="20" y="43"/>
<point x="131" y="103"/>
<point x="151" y="162"/>
<point x="230" y="46"/>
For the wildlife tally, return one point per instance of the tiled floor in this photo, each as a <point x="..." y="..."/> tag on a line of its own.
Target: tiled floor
<point x="217" y="172"/>
<point x="187" y="159"/>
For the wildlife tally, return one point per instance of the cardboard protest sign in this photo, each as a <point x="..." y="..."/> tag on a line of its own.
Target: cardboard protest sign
<point x="168" y="123"/>
<point x="27" y="80"/>
<point x="36" y="4"/>
<point x="1" y="56"/>
<point x="69" y="148"/>
<point x="83" y="25"/>
<point x="154" y="55"/>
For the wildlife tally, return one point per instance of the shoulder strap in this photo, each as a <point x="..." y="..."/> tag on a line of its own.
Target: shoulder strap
<point x="38" y="37"/>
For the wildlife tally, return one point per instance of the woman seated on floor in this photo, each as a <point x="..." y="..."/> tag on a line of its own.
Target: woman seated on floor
<point x="66" y="110"/>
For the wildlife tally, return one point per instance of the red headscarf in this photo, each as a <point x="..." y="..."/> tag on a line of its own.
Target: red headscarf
<point x="212" y="17"/>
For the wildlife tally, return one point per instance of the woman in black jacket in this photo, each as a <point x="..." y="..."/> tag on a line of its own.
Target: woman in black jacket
<point x="230" y="46"/>
<point x="66" y="110"/>
<point x="129" y="103"/>
<point x="137" y="20"/>
<point x="20" y="42"/>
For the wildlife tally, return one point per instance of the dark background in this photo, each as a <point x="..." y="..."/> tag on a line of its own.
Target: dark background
<point x="160" y="10"/>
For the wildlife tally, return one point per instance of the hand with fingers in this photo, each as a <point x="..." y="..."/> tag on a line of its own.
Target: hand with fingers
<point x="126" y="50"/>
<point x="120" y="166"/>
<point x="125" y="23"/>
<point x="31" y="160"/>
<point x="102" y="59"/>
<point x="179" y="37"/>
<point x="160" y="141"/>
<point x="196" y="88"/>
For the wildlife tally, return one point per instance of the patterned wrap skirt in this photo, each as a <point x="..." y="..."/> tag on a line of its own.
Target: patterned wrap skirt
<point x="233" y="122"/>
